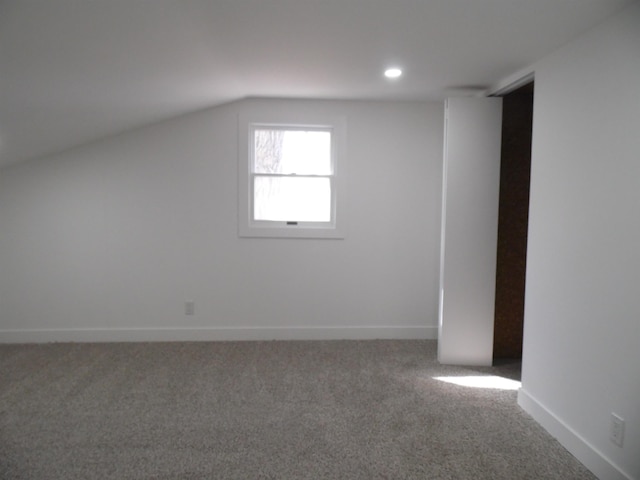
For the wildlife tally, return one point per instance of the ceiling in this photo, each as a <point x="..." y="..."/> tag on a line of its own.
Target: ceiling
<point x="74" y="71"/>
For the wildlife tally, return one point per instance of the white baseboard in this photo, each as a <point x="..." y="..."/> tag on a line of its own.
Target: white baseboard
<point x="590" y="457"/>
<point x="215" y="334"/>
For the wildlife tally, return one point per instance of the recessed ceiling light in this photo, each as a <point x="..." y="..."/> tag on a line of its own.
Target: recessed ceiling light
<point x="392" y="72"/>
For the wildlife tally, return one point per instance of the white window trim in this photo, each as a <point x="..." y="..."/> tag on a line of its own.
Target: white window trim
<point x="247" y="227"/>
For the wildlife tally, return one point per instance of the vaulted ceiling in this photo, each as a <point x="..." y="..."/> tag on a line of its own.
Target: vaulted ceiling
<point x="73" y="71"/>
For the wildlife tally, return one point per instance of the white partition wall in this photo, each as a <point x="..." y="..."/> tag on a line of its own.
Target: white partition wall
<point x="470" y="195"/>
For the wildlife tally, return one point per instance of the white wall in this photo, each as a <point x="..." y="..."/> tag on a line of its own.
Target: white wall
<point x="469" y="237"/>
<point x="106" y="242"/>
<point x="582" y="317"/>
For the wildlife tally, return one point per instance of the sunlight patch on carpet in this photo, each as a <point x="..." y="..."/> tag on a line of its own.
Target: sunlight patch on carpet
<point x="482" y="381"/>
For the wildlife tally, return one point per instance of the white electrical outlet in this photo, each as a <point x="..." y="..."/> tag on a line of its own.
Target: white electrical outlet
<point x="617" y="429"/>
<point x="189" y="307"/>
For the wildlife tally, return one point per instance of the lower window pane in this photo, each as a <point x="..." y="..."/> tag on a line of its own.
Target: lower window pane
<point x="296" y="199"/>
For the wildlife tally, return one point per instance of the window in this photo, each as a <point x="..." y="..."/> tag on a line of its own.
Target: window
<point x="290" y="184"/>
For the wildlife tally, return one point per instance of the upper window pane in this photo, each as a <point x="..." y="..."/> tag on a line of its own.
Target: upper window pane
<point x="286" y="152"/>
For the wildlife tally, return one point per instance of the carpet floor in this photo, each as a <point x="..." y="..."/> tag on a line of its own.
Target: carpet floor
<point x="262" y="410"/>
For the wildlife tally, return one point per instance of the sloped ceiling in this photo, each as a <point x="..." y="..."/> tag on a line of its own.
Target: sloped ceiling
<point x="73" y="71"/>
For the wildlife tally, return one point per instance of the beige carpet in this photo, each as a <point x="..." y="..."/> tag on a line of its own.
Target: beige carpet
<point x="262" y="410"/>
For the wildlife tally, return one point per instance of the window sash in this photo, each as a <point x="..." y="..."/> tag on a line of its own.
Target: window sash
<point x="323" y="168"/>
<point x="292" y="119"/>
<point x="302" y="218"/>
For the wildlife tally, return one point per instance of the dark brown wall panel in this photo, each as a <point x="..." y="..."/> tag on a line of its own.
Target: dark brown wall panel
<point x="513" y="217"/>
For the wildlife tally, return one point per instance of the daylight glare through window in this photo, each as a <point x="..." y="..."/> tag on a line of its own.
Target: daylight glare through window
<point x="292" y="175"/>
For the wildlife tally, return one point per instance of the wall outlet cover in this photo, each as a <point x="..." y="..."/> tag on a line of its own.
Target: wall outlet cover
<point x="617" y="429"/>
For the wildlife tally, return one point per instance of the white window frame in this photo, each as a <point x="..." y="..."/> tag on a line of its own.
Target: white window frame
<point x="247" y="226"/>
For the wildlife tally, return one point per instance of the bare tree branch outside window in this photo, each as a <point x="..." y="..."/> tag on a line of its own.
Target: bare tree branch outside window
<point x="268" y="151"/>
<point x="268" y="159"/>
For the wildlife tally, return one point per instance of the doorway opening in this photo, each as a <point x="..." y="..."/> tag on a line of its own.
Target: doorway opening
<point x="513" y="218"/>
